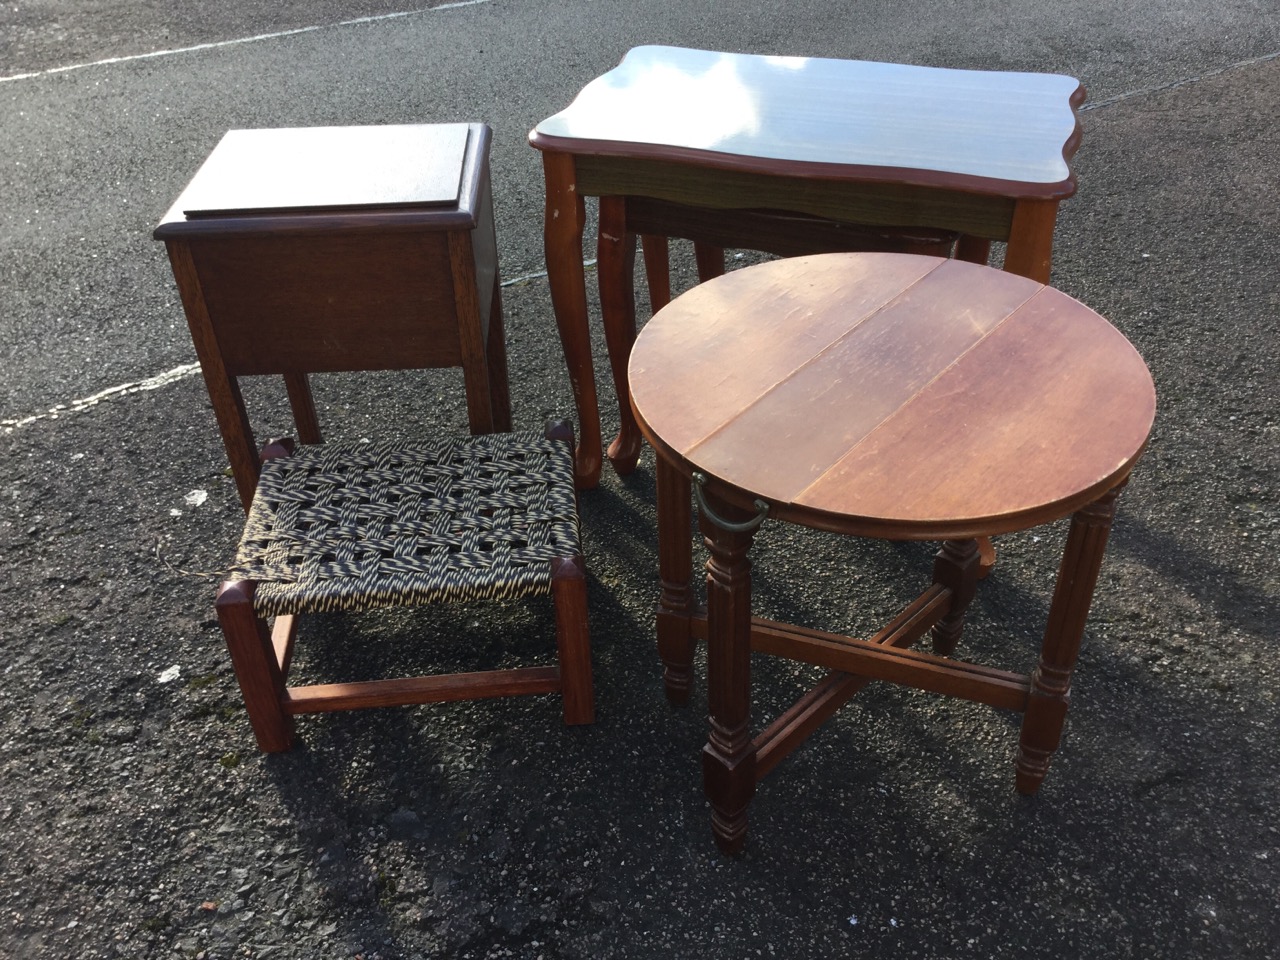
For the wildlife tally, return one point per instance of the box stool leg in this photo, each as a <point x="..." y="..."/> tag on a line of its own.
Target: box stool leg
<point x="254" y="658"/>
<point x="573" y="641"/>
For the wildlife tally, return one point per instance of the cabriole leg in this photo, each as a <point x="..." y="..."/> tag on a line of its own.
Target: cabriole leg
<point x="616" y="264"/>
<point x="562" y="238"/>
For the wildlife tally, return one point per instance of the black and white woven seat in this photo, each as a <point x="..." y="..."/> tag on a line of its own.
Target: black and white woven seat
<point x="349" y="528"/>
<point x="357" y="249"/>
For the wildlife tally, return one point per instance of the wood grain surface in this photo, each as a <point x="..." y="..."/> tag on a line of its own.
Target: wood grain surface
<point x="893" y="395"/>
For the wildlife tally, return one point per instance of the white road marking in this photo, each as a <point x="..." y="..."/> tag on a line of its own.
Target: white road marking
<point x="75" y="406"/>
<point x="1161" y="87"/>
<point x="238" y="40"/>
<point x="181" y="372"/>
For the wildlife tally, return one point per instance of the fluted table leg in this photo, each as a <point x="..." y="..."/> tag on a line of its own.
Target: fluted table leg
<point x="957" y="566"/>
<point x="728" y="760"/>
<point x="1051" y="682"/>
<point x="675" y="569"/>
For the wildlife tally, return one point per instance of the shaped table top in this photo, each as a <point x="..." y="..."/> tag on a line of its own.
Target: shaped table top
<point x="893" y="395"/>
<point x="990" y="131"/>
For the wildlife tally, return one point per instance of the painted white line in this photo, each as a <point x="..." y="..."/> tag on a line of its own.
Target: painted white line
<point x="190" y="369"/>
<point x="540" y="275"/>
<point x="1160" y="87"/>
<point x="181" y="372"/>
<point x="239" y="40"/>
<point x="75" y="406"/>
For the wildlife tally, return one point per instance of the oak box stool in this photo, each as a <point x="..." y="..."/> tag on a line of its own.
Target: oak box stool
<point x="315" y="250"/>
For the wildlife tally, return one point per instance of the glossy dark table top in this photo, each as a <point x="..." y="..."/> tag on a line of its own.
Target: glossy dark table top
<point x="987" y="130"/>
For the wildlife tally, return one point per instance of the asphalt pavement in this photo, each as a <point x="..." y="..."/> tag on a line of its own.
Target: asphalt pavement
<point x="136" y="819"/>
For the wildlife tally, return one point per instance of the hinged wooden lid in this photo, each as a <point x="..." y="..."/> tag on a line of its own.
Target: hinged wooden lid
<point x="326" y="169"/>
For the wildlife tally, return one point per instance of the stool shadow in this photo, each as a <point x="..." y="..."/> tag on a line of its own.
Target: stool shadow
<point x="356" y="780"/>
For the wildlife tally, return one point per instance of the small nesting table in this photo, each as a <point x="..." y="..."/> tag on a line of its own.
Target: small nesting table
<point x="787" y="155"/>
<point x="878" y="395"/>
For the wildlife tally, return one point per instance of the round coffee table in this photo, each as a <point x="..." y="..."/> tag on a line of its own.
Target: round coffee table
<point x="878" y="395"/>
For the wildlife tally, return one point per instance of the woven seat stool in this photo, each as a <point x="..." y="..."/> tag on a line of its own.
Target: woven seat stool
<point x="359" y="527"/>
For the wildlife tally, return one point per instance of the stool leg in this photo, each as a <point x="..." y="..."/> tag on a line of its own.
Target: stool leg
<point x="957" y="566"/>
<point x="616" y="265"/>
<point x="729" y="758"/>
<point x="254" y="658"/>
<point x="496" y="351"/>
<point x="304" y="407"/>
<point x="675" y="570"/>
<point x="657" y="270"/>
<point x="710" y="261"/>
<point x="573" y="640"/>
<point x="1051" y="682"/>
<point x="973" y="249"/>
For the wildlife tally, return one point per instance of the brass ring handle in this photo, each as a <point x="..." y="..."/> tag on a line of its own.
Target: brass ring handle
<point x="746" y="526"/>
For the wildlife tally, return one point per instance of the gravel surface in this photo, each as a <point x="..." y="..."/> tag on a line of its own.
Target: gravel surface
<point x="138" y="820"/>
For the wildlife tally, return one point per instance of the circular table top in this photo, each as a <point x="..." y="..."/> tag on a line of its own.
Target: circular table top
<point x="892" y="395"/>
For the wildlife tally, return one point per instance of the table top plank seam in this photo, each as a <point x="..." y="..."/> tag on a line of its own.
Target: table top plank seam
<point x="791" y="374"/>
<point x="793" y="500"/>
<point x="901" y="410"/>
